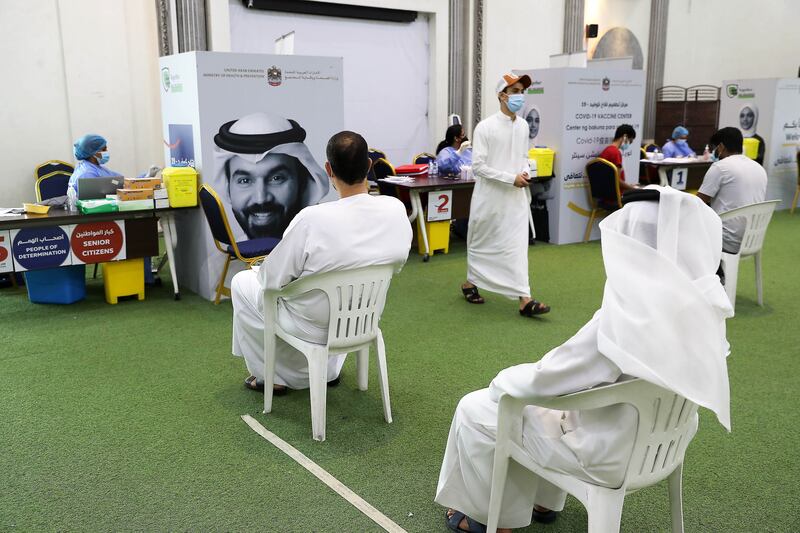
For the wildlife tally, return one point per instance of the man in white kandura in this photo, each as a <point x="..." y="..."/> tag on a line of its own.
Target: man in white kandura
<point x="662" y="319"/>
<point x="497" y="239"/>
<point x="355" y="231"/>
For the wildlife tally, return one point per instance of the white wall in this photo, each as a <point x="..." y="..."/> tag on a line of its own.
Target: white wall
<point x="437" y="12"/>
<point x="68" y="75"/>
<point x="608" y="14"/>
<point x="713" y="40"/>
<point x="389" y="109"/>
<point x="518" y="35"/>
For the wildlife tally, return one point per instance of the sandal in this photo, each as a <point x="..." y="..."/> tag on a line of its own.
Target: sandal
<point x="472" y="296"/>
<point x="454" y="521"/>
<point x="258" y="385"/>
<point x="544" y="517"/>
<point x="534" y="308"/>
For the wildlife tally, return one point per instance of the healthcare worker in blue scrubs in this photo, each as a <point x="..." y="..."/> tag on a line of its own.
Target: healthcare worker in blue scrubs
<point x="91" y="151"/>
<point x="678" y="146"/>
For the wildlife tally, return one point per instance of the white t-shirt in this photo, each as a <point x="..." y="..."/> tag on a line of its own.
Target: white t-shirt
<point x="734" y="182"/>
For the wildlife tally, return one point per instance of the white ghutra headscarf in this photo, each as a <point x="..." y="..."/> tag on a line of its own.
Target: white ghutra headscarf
<point x="663" y="313"/>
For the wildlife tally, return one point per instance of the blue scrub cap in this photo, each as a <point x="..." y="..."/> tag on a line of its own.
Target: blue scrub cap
<point x="679" y="131"/>
<point x="87" y="146"/>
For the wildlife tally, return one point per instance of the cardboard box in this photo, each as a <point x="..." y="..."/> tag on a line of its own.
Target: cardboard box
<point x="134" y="194"/>
<point x="134" y="205"/>
<point x="160" y="194"/>
<point x="142" y="183"/>
<point x="161" y="203"/>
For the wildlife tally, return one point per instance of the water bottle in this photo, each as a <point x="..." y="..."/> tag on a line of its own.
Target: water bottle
<point x="72" y="200"/>
<point x="433" y="169"/>
<point x="657" y="155"/>
<point x="533" y="169"/>
<point x="706" y="154"/>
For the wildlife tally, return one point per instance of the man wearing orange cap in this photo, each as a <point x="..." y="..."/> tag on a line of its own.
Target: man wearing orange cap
<point x="497" y="240"/>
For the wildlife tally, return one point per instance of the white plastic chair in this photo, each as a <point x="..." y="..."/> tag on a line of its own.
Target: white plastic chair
<point x="757" y="219"/>
<point x="662" y="435"/>
<point x="356" y="299"/>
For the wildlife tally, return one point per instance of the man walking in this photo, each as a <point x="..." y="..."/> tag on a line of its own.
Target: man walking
<point x="497" y="240"/>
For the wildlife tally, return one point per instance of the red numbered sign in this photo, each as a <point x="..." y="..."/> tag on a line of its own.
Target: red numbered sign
<point x="440" y="205"/>
<point x="6" y="265"/>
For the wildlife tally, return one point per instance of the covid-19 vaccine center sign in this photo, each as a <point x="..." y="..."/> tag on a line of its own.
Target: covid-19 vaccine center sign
<point x="575" y="112"/>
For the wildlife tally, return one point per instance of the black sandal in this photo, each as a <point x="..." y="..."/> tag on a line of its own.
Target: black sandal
<point x="472" y="295"/>
<point x="258" y="385"/>
<point x="454" y="521"/>
<point x="534" y="308"/>
<point x="544" y="517"/>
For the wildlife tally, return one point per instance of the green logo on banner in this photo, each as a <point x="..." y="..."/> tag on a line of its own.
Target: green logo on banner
<point x="165" y="81"/>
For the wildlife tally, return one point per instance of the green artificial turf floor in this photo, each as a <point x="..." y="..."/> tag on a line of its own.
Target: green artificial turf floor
<point x="127" y="417"/>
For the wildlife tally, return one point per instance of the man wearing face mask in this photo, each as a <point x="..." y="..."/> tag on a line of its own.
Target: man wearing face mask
<point x="497" y="240"/>
<point x="623" y="137"/>
<point x="734" y="180"/>
<point x="678" y="146"/>
<point x="91" y="151"/>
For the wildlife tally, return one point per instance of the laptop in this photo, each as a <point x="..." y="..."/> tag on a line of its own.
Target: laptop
<point x="98" y="187"/>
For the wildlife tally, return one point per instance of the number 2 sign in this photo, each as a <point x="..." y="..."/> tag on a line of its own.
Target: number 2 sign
<point x="440" y="205"/>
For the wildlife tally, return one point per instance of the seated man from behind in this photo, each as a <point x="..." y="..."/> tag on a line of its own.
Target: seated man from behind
<point x="733" y="181"/>
<point x="355" y="231"/>
<point x="638" y="331"/>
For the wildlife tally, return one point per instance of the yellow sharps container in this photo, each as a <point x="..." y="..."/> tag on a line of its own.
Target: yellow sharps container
<point x="181" y="185"/>
<point x="751" y="147"/>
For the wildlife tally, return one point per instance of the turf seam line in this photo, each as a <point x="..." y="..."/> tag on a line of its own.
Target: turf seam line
<point x="320" y="473"/>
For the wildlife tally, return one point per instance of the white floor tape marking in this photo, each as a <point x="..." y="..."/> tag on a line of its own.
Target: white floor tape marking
<point x="355" y="500"/>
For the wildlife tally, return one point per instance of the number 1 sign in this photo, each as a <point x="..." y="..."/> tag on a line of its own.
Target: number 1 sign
<point x="440" y="205"/>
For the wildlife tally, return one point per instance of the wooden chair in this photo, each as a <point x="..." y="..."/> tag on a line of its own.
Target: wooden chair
<point x="604" y="192"/>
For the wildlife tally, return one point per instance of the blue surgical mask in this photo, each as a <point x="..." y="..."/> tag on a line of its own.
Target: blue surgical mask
<point x="714" y="156"/>
<point x="624" y="146"/>
<point x="103" y="159"/>
<point x="515" y="102"/>
<point x="681" y="142"/>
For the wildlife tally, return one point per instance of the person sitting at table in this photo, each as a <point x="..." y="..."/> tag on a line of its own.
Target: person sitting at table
<point x="638" y="331"/>
<point x="454" y="151"/>
<point x="355" y="231"/>
<point x="678" y="146"/>
<point x="91" y="151"/>
<point x="614" y="151"/>
<point x="734" y="180"/>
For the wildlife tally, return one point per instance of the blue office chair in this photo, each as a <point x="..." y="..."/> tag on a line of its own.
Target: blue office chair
<point x="246" y="251"/>
<point x="52" y="185"/>
<point x="424" y="158"/>
<point x="54" y="165"/>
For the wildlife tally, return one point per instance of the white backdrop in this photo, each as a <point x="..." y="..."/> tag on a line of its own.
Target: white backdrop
<point x="385" y="70"/>
<point x="579" y="111"/>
